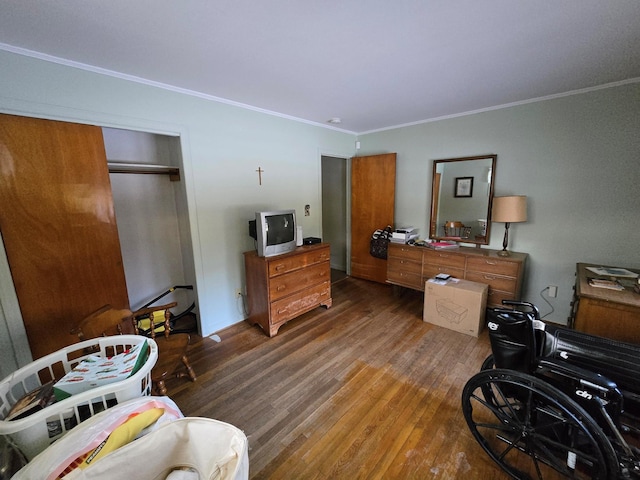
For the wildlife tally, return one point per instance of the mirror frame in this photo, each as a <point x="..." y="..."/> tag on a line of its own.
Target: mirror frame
<point x="435" y="193"/>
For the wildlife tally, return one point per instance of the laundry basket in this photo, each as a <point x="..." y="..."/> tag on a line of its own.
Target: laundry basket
<point x="34" y="433"/>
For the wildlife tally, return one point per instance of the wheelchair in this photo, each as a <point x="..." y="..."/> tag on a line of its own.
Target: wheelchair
<point x="551" y="402"/>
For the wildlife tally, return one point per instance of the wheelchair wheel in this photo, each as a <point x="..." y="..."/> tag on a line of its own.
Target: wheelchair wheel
<point x="533" y="430"/>
<point x="487" y="391"/>
<point x="488" y="363"/>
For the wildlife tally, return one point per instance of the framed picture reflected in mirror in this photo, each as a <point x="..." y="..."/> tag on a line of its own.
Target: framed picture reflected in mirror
<point x="464" y="187"/>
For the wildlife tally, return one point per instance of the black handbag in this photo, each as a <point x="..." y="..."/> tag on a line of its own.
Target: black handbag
<point x="379" y="243"/>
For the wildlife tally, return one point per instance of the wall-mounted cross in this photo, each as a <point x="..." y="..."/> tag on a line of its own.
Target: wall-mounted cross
<point x="260" y="170"/>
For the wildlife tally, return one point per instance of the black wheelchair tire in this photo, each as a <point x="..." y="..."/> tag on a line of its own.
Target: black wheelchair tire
<point x="489" y="363"/>
<point x="519" y="427"/>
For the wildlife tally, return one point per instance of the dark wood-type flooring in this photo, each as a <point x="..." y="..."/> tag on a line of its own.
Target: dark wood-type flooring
<point x="364" y="389"/>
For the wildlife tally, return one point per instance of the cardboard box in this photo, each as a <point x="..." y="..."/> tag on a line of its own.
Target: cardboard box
<point x="456" y="304"/>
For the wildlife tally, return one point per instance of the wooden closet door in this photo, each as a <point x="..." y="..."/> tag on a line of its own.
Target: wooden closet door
<point x="373" y="183"/>
<point x="58" y="225"/>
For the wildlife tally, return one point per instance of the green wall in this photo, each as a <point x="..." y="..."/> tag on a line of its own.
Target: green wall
<point x="222" y="146"/>
<point x="577" y="158"/>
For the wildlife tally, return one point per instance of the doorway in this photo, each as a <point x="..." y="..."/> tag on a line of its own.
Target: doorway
<point x="334" y="175"/>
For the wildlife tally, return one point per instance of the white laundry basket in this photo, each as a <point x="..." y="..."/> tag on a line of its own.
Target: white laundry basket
<point x="34" y="433"/>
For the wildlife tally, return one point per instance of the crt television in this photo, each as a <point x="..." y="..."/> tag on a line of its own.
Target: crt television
<point x="274" y="232"/>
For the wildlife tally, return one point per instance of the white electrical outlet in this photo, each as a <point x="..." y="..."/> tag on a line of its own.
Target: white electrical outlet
<point x="553" y="291"/>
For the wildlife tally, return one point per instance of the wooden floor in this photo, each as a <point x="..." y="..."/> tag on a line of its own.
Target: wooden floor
<point x="365" y="389"/>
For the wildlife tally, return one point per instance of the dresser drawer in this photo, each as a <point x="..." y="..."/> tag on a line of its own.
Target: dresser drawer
<point x="290" y="307"/>
<point x="405" y="252"/>
<point x="403" y="265"/>
<point x="406" y="279"/>
<point x="280" y="266"/>
<point x="495" y="282"/>
<point x="492" y="265"/>
<point x="286" y="284"/>
<point x="443" y="258"/>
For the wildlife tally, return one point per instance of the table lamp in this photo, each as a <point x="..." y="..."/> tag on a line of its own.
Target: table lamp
<point x="509" y="210"/>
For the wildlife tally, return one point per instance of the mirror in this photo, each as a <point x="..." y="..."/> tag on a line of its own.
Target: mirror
<point x="461" y="197"/>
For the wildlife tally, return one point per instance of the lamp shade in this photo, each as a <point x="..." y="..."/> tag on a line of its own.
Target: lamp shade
<point x="509" y="209"/>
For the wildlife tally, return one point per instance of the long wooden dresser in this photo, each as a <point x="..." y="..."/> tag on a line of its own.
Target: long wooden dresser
<point x="282" y="287"/>
<point x="411" y="266"/>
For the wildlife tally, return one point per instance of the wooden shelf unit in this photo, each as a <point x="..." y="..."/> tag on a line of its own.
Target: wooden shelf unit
<point x="607" y="313"/>
<point x="283" y="287"/>
<point x="410" y="266"/>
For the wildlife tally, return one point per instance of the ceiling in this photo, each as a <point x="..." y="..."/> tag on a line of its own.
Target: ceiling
<point x="375" y="64"/>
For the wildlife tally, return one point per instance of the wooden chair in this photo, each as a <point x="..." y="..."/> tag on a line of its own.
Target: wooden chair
<point x="172" y="348"/>
<point x="103" y="322"/>
<point x="456" y="230"/>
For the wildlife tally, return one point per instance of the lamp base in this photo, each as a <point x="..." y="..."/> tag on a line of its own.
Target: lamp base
<point x="505" y="241"/>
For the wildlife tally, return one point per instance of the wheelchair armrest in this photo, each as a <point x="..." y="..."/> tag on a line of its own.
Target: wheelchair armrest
<point x="586" y="378"/>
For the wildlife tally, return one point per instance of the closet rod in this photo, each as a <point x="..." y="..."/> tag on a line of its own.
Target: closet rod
<point x="145" y="168"/>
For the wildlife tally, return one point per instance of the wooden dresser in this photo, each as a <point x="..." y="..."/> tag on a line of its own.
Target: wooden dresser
<point x="410" y="266"/>
<point x="607" y="313"/>
<point x="285" y="286"/>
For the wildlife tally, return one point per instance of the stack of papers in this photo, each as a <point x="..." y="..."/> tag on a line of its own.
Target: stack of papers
<point x="602" y="283"/>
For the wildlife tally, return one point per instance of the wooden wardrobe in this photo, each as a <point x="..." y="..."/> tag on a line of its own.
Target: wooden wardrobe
<point x="373" y="182"/>
<point x="58" y="226"/>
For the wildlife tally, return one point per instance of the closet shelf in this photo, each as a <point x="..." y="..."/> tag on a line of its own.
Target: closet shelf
<point x="145" y="168"/>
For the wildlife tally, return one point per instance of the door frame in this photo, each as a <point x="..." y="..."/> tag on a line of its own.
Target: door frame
<point x="347" y="192"/>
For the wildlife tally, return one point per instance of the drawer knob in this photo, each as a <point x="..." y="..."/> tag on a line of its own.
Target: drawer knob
<point x="281" y="288"/>
<point x="279" y="267"/>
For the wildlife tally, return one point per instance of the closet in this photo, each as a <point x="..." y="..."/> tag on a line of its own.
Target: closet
<point x="150" y="203"/>
<point x="63" y="220"/>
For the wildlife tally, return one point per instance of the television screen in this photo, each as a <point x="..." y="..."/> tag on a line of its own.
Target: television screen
<point x="280" y="228"/>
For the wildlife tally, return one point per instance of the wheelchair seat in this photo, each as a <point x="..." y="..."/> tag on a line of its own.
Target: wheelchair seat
<point x="519" y="340"/>
<point x="616" y="360"/>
